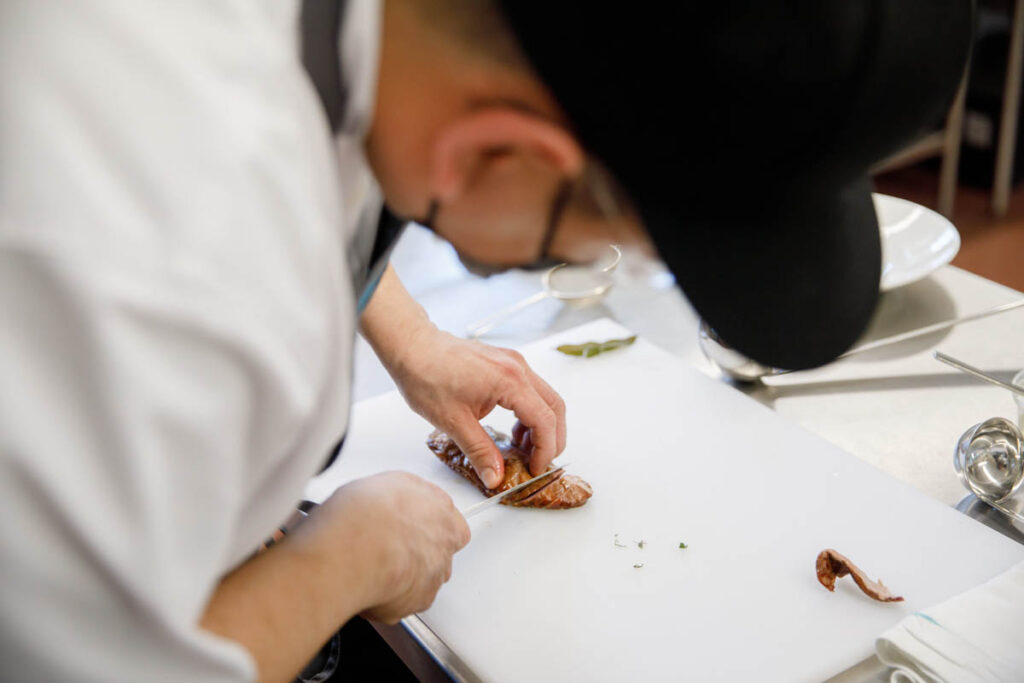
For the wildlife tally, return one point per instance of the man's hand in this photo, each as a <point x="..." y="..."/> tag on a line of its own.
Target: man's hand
<point x="454" y="383"/>
<point x="380" y="546"/>
<point x="406" y="530"/>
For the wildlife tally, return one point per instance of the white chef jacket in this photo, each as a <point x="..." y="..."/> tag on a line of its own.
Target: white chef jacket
<point x="176" y="317"/>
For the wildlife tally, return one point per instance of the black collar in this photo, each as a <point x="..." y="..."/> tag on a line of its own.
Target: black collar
<point x="320" y="24"/>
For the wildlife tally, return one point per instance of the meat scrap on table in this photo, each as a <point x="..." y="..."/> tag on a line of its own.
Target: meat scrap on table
<point x="558" y="491"/>
<point x="832" y="565"/>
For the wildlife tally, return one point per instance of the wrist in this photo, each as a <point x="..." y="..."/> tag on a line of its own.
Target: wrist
<point x="282" y="604"/>
<point x="354" y="546"/>
<point x="407" y="354"/>
<point x="393" y="323"/>
<point x="334" y="553"/>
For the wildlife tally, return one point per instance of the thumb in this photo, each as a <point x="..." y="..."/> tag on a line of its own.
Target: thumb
<point x="473" y="440"/>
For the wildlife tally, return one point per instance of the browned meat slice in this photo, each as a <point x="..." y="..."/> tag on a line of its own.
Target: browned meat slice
<point x="560" y="490"/>
<point x="831" y="566"/>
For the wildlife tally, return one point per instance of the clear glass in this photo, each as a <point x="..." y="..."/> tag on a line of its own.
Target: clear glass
<point x="579" y="284"/>
<point x="988" y="461"/>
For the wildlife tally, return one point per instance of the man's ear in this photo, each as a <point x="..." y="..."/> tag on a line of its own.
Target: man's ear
<point x="466" y="144"/>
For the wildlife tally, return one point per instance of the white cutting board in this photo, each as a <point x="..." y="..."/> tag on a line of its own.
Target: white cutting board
<point x="674" y="456"/>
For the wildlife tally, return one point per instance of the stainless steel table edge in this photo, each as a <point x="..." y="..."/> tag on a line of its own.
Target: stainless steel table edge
<point x="442" y="655"/>
<point x="995" y="519"/>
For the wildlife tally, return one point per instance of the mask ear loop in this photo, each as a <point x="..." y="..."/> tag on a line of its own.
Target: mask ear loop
<point x="428" y="220"/>
<point x="593" y="176"/>
<point x="601" y="185"/>
<point x="561" y="201"/>
<point x="554" y="218"/>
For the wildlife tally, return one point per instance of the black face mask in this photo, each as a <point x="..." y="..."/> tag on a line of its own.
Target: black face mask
<point x="543" y="262"/>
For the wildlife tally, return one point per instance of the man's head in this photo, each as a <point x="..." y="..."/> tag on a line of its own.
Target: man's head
<point x="740" y="131"/>
<point x="467" y="135"/>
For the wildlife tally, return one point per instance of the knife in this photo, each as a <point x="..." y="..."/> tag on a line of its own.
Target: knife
<point x="477" y="508"/>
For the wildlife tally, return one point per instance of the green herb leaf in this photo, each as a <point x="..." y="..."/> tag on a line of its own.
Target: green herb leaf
<point x="638" y="566"/>
<point x="683" y="545"/>
<point x="640" y="544"/>
<point x="590" y="349"/>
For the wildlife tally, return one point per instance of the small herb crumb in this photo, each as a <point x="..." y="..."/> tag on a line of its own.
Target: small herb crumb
<point x="617" y="544"/>
<point x="590" y="349"/>
<point x="638" y="565"/>
<point x="640" y="544"/>
<point x="683" y="545"/>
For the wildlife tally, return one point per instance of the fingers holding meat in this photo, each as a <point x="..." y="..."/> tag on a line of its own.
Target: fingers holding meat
<point x="557" y="491"/>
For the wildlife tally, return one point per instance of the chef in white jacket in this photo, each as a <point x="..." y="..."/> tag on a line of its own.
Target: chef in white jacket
<point x="179" y="232"/>
<point x="191" y="233"/>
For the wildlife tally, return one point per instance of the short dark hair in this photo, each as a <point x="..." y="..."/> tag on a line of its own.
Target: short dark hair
<point x="477" y="26"/>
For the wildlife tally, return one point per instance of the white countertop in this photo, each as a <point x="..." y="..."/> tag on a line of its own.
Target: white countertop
<point x="896" y="408"/>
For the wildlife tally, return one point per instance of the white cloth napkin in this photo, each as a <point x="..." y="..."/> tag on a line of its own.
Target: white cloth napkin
<point x="975" y="636"/>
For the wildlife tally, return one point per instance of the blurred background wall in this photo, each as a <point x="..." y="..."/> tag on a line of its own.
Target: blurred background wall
<point x="970" y="168"/>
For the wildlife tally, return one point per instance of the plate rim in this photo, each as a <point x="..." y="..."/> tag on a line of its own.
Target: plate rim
<point x="889" y="282"/>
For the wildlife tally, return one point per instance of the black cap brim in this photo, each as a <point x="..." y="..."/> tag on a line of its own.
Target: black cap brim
<point x="788" y="280"/>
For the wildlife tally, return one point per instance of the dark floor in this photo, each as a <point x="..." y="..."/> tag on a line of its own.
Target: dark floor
<point x="991" y="247"/>
<point x="366" y="657"/>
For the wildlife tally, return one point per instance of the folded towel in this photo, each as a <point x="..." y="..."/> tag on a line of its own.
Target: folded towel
<point x="975" y="636"/>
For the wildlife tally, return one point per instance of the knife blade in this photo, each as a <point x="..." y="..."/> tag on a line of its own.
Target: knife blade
<point x="477" y="508"/>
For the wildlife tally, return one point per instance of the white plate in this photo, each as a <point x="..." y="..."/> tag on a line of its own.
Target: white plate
<point x="915" y="240"/>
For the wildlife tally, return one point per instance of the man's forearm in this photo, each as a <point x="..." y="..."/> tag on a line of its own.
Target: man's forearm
<point x="392" y="319"/>
<point x="283" y="604"/>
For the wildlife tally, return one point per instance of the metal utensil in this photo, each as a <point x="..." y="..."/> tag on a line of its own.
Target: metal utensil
<point x="996" y="517"/>
<point x="477" y="508"/>
<point x="567" y="282"/>
<point x="736" y="366"/>
<point x="989" y="460"/>
<point x="728" y="360"/>
<point x="989" y="457"/>
<point x="975" y="372"/>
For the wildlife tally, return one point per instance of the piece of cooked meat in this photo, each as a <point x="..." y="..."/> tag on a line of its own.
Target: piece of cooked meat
<point x="831" y="565"/>
<point x="558" y="491"/>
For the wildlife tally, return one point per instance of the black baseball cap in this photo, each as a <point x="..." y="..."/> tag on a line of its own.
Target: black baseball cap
<point x="743" y="130"/>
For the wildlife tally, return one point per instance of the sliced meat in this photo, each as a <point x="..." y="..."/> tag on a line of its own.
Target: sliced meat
<point x="558" y="491"/>
<point x="832" y="565"/>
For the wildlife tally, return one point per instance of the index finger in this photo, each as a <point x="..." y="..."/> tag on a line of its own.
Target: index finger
<point x="554" y="400"/>
<point x="535" y="413"/>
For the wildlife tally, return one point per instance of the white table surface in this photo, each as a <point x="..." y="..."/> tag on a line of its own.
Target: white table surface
<point x="896" y="408"/>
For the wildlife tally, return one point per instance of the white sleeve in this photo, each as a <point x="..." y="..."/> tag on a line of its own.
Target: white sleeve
<point x="175" y="324"/>
<point x="122" y="434"/>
